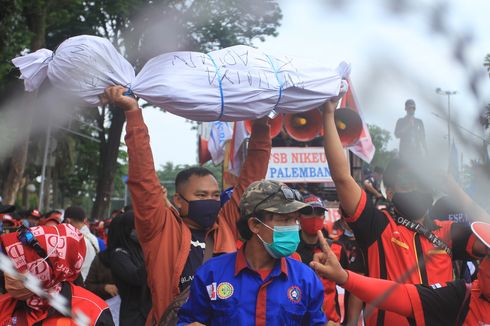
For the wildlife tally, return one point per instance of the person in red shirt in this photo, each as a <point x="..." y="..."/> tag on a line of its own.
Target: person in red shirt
<point x="309" y="245"/>
<point x="400" y="244"/>
<point x="454" y="303"/>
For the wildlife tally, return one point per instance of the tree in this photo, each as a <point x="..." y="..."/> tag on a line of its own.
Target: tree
<point x="26" y="24"/>
<point x="135" y="27"/>
<point x="381" y="138"/>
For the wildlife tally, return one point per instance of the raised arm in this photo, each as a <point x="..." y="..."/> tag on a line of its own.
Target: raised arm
<point x="254" y="168"/>
<point x="149" y="205"/>
<point x="348" y="190"/>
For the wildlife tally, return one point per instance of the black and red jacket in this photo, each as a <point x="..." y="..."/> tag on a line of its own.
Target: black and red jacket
<point x="396" y="253"/>
<point x="455" y="303"/>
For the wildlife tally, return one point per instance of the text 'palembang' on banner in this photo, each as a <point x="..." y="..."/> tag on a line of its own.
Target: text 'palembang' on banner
<point x="298" y="164"/>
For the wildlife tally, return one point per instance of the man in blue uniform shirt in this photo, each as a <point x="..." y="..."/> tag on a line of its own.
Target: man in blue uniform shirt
<point x="259" y="284"/>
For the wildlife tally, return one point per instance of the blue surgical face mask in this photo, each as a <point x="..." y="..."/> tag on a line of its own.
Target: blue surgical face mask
<point x="285" y="240"/>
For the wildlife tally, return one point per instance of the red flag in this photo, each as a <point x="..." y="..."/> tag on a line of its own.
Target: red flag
<point x="363" y="147"/>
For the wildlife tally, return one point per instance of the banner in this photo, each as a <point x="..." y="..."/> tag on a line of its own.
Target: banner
<point x="298" y="164"/>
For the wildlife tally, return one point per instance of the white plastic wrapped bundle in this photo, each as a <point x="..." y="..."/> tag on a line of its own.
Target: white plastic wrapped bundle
<point x="232" y="84"/>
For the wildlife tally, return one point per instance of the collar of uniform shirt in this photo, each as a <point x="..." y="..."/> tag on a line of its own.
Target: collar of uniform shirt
<point x="241" y="263"/>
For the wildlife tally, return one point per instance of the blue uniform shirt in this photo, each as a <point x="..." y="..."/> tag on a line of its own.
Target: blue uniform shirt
<point x="225" y="291"/>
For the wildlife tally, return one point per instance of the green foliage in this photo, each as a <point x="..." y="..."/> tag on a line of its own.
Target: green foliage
<point x="140" y="29"/>
<point x="381" y="137"/>
<point x="14" y="37"/>
<point x="485" y="114"/>
<point x="78" y="179"/>
<point x="486" y="63"/>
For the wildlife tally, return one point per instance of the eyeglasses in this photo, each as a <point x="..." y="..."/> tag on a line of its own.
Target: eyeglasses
<point x="289" y="195"/>
<point x="27" y="238"/>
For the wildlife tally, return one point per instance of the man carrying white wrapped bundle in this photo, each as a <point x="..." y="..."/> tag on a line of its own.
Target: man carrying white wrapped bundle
<point x="177" y="241"/>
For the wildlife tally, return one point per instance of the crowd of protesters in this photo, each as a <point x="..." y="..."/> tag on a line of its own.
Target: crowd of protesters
<point x="261" y="255"/>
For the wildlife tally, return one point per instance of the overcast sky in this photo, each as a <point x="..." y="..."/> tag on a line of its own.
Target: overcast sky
<point x="394" y="56"/>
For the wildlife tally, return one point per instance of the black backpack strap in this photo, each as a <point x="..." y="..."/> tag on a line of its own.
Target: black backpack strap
<point x="463" y="309"/>
<point x="208" y="251"/>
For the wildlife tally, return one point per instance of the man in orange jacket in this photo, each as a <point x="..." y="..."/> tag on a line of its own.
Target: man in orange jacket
<point x="174" y="239"/>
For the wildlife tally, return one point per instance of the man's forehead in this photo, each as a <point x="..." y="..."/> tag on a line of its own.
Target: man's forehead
<point x="201" y="183"/>
<point x="286" y="216"/>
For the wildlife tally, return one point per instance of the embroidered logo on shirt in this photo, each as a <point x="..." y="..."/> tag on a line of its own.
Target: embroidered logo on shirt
<point x="225" y="290"/>
<point x="212" y="291"/>
<point x="294" y="294"/>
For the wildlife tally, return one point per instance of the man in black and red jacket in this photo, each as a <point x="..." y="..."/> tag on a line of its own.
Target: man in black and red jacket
<point x="454" y="303"/>
<point x="400" y="244"/>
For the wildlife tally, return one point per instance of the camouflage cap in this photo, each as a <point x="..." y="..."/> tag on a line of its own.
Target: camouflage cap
<point x="270" y="196"/>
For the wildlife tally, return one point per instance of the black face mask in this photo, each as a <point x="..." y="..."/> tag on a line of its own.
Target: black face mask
<point x="203" y="212"/>
<point x="412" y="205"/>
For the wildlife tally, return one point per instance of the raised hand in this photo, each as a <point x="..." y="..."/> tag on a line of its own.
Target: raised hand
<point x="261" y="121"/>
<point x="115" y="95"/>
<point x="330" y="106"/>
<point x="326" y="263"/>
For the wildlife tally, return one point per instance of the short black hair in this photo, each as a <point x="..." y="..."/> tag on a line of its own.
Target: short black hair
<point x="242" y="224"/>
<point x="75" y="213"/>
<point x="184" y="175"/>
<point x="409" y="102"/>
<point x="54" y="211"/>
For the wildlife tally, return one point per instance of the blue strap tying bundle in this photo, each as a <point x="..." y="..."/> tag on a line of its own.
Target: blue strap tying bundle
<point x="279" y="81"/>
<point x="129" y="92"/>
<point x="220" y="87"/>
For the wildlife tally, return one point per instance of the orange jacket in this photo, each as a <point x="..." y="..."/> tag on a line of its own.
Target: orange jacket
<point x="164" y="237"/>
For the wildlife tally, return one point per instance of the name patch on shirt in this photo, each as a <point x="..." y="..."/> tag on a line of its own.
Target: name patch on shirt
<point x="294" y="294"/>
<point x="212" y="291"/>
<point x="225" y="290"/>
